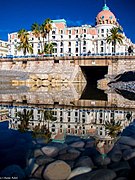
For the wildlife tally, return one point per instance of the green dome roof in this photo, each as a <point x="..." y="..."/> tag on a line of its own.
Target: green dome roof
<point x="105" y="7"/>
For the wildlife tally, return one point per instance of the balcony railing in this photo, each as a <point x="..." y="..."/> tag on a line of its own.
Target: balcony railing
<point x="66" y="55"/>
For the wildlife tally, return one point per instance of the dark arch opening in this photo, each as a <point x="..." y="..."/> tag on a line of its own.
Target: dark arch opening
<point x="92" y="75"/>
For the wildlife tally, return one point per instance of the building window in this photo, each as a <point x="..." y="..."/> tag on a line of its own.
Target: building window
<point x="61" y="43"/>
<point x="102" y="49"/>
<point x="76" y="43"/>
<point x="84" y="43"/>
<point x="61" y="50"/>
<point x="84" y="30"/>
<point x="53" y="37"/>
<point x="53" y="32"/>
<point x="69" y="43"/>
<point x="68" y="119"/>
<point x="69" y="36"/>
<point x="69" y="32"/>
<point x="77" y="31"/>
<point x="76" y="50"/>
<point x="84" y="49"/>
<point x="61" y="119"/>
<point x="102" y="30"/>
<point x="76" y="36"/>
<point x="61" y="31"/>
<point x="76" y="113"/>
<point x="69" y="50"/>
<point x="61" y="37"/>
<point x="69" y="113"/>
<point x="101" y="43"/>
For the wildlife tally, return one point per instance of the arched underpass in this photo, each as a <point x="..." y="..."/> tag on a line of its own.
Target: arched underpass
<point x="92" y="75"/>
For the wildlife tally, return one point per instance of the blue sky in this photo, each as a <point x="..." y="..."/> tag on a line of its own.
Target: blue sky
<point x="18" y="14"/>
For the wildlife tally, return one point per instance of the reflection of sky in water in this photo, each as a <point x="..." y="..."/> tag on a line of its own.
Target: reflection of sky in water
<point x="14" y="146"/>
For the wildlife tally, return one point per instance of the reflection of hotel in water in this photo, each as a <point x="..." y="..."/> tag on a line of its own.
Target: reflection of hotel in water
<point x="75" y="121"/>
<point x="79" y="117"/>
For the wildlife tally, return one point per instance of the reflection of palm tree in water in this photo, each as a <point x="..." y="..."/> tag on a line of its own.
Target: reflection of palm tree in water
<point x="104" y="146"/>
<point x="113" y="128"/>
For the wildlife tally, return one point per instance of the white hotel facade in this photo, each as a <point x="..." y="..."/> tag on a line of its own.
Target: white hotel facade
<point x="76" y="41"/>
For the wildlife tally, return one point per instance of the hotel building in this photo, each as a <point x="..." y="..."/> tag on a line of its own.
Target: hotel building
<point x="3" y="48"/>
<point x="76" y="41"/>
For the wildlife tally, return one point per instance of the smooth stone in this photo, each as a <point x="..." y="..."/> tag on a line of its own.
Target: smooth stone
<point x="70" y="163"/>
<point x="101" y="174"/>
<point x="71" y="139"/>
<point x="29" y="167"/>
<point x="58" y="170"/>
<point x="128" y="154"/>
<point x="118" y="166"/>
<point x="35" y="166"/>
<point x="13" y="171"/>
<point x="115" y="154"/>
<point x="124" y="147"/>
<point x="38" y="172"/>
<point x="78" y="144"/>
<point x="101" y="161"/>
<point x="72" y="154"/>
<point x="38" y="152"/>
<point x="50" y="151"/>
<point x="78" y="171"/>
<point x="132" y="163"/>
<point x="84" y="161"/>
<point x="127" y="140"/>
<point x="59" y="146"/>
<point x="89" y="143"/>
<point x="43" y="160"/>
<point x="91" y="152"/>
<point x="63" y="151"/>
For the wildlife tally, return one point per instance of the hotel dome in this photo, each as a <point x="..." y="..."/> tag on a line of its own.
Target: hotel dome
<point x="106" y="16"/>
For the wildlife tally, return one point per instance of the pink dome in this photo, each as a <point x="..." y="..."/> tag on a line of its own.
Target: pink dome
<point x="105" y="17"/>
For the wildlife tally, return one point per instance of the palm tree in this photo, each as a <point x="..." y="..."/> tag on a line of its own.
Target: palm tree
<point x="22" y="35"/>
<point x="42" y="31"/>
<point x="48" y="26"/>
<point x="49" y="48"/>
<point x="115" y="36"/>
<point x="24" y="42"/>
<point x="24" y="117"/>
<point x="48" y="116"/>
<point x="35" y="29"/>
<point x="113" y="128"/>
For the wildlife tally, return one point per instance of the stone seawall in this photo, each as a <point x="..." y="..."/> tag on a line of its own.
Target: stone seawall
<point x="52" y="71"/>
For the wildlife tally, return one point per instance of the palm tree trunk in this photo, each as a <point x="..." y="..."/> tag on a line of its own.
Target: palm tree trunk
<point x="48" y="125"/>
<point x="114" y="47"/>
